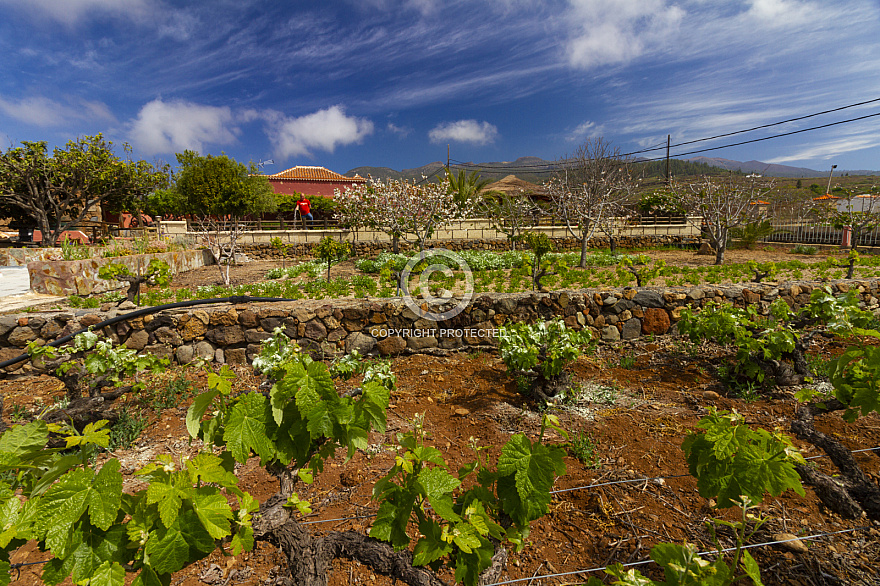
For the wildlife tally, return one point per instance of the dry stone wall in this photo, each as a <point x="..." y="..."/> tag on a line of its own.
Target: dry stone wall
<point x="233" y="333"/>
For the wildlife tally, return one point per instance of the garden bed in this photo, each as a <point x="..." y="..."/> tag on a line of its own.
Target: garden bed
<point x="637" y="402"/>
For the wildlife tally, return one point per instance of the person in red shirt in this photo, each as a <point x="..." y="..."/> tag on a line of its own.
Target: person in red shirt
<point x="305" y="209"/>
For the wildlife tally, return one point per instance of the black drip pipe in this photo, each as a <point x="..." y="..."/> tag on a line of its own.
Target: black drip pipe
<point x="146" y="311"/>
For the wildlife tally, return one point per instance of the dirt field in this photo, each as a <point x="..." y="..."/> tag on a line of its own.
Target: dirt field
<point x="634" y="494"/>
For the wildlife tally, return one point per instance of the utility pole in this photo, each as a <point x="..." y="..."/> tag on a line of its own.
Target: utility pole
<point x="447" y="159"/>
<point x="828" y="191"/>
<point x="668" y="141"/>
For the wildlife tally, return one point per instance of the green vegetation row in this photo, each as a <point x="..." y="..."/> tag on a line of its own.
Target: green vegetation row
<point x="508" y="272"/>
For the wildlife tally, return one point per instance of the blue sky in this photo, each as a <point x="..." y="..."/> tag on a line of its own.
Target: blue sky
<point x="392" y="82"/>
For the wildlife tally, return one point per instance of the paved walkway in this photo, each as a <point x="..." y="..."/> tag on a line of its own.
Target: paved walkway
<point x="14" y="281"/>
<point x="15" y="291"/>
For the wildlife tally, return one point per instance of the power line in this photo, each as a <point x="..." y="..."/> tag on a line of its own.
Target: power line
<point x="770" y="137"/>
<point x="766" y="125"/>
<point x="549" y="166"/>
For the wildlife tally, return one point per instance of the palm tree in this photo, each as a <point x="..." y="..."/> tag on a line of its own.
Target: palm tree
<point x="465" y="189"/>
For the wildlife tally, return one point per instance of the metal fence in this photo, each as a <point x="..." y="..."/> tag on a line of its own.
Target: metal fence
<point x="810" y="231"/>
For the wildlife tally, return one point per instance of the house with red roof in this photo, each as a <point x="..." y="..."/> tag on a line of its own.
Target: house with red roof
<point x="311" y="180"/>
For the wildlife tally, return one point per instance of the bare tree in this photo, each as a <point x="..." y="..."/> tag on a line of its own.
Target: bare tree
<point x="590" y="188"/>
<point x="220" y="235"/>
<point x="715" y="205"/>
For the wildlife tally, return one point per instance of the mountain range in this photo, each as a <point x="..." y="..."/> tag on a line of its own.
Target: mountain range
<point x="536" y="170"/>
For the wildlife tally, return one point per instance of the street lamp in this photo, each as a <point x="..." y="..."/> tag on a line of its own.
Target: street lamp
<point x="828" y="191"/>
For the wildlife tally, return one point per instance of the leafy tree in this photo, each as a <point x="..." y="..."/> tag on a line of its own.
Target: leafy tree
<point x="55" y="191"/>
<point x="158" y="272"/>
<point x="591" y="190"/>
<point x="717" y="205"/>
<point x="332" y="251"/>
<point x="540" y="244"/>
<point x="220" y="191"/>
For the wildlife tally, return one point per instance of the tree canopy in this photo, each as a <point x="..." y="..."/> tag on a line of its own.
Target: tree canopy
<point x="221" y="186"/>
<point x="55" y="191"/>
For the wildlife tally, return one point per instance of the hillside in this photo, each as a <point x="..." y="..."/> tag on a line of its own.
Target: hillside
<point x="538" y="170"/>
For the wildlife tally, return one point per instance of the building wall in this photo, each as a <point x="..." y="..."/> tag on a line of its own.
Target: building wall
<point x="322" y="188"/>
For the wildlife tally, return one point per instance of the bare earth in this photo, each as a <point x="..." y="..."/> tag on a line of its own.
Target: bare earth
<point x="637" y="417"/>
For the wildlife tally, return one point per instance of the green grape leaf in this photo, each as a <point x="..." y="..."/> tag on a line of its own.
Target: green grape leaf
<point x="213" y="510"/>
<point x="197" y="410"/>
<point x="246" y="428"/>
<point x="25" y="440"/>
<point x="106" y="498"/>
<point x="431" y="546"/>
<point x="373" y="405"/>
<point x="169" y="493"/>
<point x="535" y="465"/>
<point x="750" y="566"/>
<point x="392" y="519"/>
<point x="149" y="577"/>
<point x="96" y="548"/>
<point x="185" y="541"/>
<point x="468" y="566"/>
<point x="208" y="468"/>
<point x="243" y="540"/>
<point x="62" y="506"/>
<point x="438" y="485"/>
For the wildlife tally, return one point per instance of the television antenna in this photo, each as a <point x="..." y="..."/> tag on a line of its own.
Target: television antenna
<point x="267" y="162"/>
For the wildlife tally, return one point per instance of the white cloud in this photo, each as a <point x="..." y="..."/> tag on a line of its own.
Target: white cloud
<point x="171" y="127"/>
<point x="464" y="131"/>
<point x="323" y="130"/>
<point x="584" y="130"/>
<point x="401" y="131"/>
<point x="783" y="13"/>
<point x="72" y="11"/>
<point x="45" y="112"/>
<point x="607" y="32"/>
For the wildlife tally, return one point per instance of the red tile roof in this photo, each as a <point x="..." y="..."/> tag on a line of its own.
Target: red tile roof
<point x="310" y="173"/>
<point x="825" y="197"/>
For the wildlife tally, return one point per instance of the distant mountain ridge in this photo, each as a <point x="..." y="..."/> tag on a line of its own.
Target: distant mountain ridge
<point x="529" y="169"/>
<point x="772" y="169"/>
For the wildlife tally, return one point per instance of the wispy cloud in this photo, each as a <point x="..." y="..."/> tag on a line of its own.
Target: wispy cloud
<point x="585" y="129"/>
<point x="71" y="12"/>
<point x="45" y="113"/>
<point x="469" y="131"/>
<point x="828" y="148"/>
<point x="401" y="131"/>
<point x="171" y="127"/>
<point x="322" y="130"/>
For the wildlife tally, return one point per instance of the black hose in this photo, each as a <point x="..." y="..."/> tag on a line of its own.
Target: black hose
<point x="146" y="311"/>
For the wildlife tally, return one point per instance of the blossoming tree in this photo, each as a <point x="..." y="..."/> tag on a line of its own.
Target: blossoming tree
<point x="406" y="211"/>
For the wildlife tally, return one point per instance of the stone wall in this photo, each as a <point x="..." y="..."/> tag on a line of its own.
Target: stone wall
<point x="232" y="333"/>
<point x="80" y="277"/>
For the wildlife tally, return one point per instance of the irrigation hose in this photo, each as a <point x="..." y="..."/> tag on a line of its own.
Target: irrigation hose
<point x="236" y="299"/>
